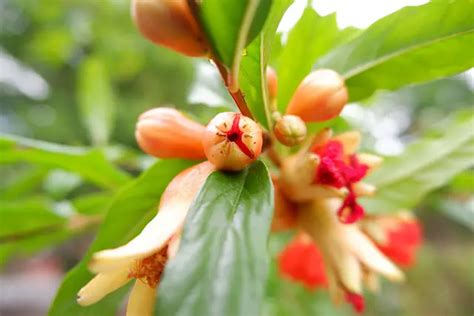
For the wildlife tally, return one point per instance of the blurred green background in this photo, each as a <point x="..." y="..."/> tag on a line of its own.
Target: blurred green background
<point x="77" y="72"/>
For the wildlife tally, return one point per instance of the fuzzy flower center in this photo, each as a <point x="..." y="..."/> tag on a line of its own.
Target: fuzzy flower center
<point x="149" y="269"/>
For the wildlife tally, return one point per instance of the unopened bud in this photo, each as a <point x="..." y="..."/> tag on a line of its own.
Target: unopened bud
<point x="169" y="23"/>
<point x="232" y="141"/>
<point x="272" y="82"/>
<point x="166" y="133"/>
<point x="319" y="97"/>
<point x="290" y="130"/>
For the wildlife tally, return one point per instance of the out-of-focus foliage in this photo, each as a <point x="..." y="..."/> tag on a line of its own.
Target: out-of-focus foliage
<point x="72" y="43"/>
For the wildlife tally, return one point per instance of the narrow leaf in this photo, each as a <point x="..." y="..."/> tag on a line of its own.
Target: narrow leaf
<point x="221" y="266"/>
<point x="404" y="180"/>
<point x="412" y="45"/>
<point x="26" y="217"/>
<point x="90" y="164"/>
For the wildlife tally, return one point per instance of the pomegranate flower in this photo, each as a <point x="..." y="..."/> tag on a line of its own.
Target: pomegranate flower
<point x="330" y="168"/>
<point x="398" y="237"/>
<point x="145" y="256"/>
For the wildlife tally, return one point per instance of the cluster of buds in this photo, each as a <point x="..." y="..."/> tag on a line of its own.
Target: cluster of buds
<point x="321" y="96"/>
<point x="230" y="141"/>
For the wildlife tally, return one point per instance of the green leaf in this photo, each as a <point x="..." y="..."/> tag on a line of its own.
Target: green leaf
<point x="463" y="182"/>
<point x="311" y="37"/>
<point x="24" y="184"/>
<point x="90" y="164"/>
<point x="231" y="25"/>
<point x="253" y="79"/>
<point x="94" y="203"/>
<point x="404" y="180"/>
<point x="96" y="99"/>
<point x="26" y="217"/>
<point x="412" y="45"/>
<point x="221" y="265"/>
<point x="130" y="210"/>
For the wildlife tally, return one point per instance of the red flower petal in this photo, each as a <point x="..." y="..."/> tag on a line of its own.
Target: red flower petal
<point x="302" y="262"/>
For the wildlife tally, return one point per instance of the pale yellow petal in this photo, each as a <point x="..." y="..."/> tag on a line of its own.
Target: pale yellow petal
<point x="350" y="141"/>
<point x="153" y="237"/>
<point x="370" y="256"/>
<point x="101" y="285"/>
<point x="142" y="300"/>
<point x="174" y="207"/>
<point x="349" y="270"/>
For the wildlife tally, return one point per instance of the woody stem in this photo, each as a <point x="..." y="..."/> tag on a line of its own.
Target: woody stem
<point x="237" y="96"/>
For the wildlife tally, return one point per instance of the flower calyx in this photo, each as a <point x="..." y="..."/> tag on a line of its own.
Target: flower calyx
<point x="232" y="141"/>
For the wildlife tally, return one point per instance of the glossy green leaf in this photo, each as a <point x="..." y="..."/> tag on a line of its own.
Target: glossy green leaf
<point x="231" y="25"/>
<point x="428" y="164"/>
<point x="311" y="37"/>
<point x="90" y="164"/>
<point x="253" y="80"/>
<point x="221" y="265"/>
<point x="412" y="45"/>
<point x="27" y="217"/>
<point x="131" y="209"/>
<point x="96" y="99"/>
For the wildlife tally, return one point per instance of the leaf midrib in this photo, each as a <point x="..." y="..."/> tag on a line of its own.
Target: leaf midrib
<point x="377" y="62"/>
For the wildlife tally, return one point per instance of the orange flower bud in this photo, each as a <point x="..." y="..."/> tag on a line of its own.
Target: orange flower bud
<point x="290" y="130"/>
<point x="166" y="133"/>
<point x="169" y="23"/>
<point x="232" y="141"/>
<point x="319" y="97"/>
<point x="272" y="82"/>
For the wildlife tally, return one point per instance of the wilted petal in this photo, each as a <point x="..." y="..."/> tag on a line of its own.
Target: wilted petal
<point x="142" y="300"/>
<point x="101" y="285"/>
<point x="174" y="207"/>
